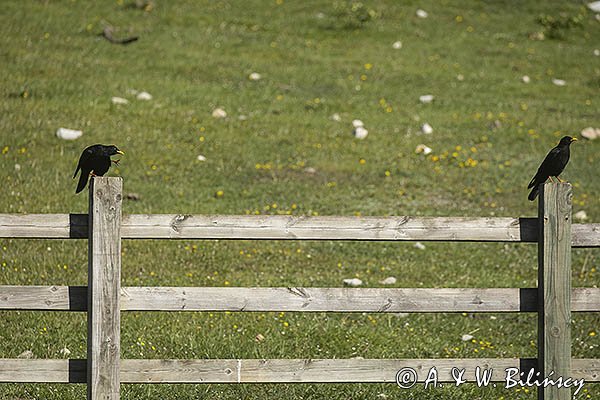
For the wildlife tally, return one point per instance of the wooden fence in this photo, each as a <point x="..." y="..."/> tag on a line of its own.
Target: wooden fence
<point x="103" y="298"/>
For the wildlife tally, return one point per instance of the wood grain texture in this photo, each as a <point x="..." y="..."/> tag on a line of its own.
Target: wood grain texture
<point x="585" y="235"/>
<point x="138" y="298"/>
<point x="585" y="299"/>
<point x="300" y="370"/>
<point x="323" y="299"/>
<point x="104" y="286"/>
<point x="42" y="370"/>
<point x="44" y="226"/>
<point x="586" y="368"/>
<point x="185" y="226"/>
<point x="273" y="370"/>
<point x="43" y="298"/>
<point x="329" y="228"/>
<point x="554" y="281"/>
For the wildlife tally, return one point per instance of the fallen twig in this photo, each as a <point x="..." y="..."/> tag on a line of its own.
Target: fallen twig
<point x="107" y="34"/>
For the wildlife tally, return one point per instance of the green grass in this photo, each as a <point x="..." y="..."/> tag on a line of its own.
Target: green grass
<point x="316" y="59"/>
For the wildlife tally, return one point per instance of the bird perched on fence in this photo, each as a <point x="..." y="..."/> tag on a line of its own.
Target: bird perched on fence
<point x="554" y="163"/>
<point x="95" y="160"/>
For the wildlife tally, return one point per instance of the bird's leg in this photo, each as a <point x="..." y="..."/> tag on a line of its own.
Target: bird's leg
<point x="560" y="180"/>
<point x="92" y="174"/>
<point x="550" y="179"/>
<point x="116" y="161"/>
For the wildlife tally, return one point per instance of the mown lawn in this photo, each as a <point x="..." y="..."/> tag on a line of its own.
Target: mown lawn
<point x="280" y="151"/>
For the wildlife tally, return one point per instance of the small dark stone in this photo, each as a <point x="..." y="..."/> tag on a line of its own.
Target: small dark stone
<point x="133" y="196"/>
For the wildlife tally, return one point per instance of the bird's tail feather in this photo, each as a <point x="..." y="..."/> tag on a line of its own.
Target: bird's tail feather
<point x="534" y="192"/>
<point x="536" y="180"/>
<point x="83" y="179"/>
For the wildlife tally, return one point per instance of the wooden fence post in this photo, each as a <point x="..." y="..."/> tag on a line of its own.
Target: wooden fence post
<point x="104" y="283"/>
<point x="554" y="288"/>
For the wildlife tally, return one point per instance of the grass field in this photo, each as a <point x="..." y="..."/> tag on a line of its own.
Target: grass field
<point x="279" y="151"/>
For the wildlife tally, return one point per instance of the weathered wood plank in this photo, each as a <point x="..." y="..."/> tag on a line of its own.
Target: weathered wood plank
<point x="301" y="370"/>
<point x="273" y="370"/>
<point x="136" y="298"/>
<point x="585" y="299"/>
<point x="327" y="299"/>
<point x="44" y="226"/>
<point x="330" y="228"/>
<point x="43" y="298"/>
<point x="554" y="281"/>
<point x="181" y="371"/>
<point x="20" y="370"/>
<point x="586" y="368"/>
<point x="183" y="226"/>
<point x="104" y="284"/>
<point x="585" y="235"/>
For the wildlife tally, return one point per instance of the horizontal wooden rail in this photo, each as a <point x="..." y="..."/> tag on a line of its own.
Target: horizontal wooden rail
<point x="134" y="298"/>
<point x="252" y="227"/>
<point x="274" y="370"/>
<point x="329" y="228"/>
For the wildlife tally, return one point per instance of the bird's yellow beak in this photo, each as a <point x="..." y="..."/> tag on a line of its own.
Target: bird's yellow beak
<point x="121" y="152"/>
<point x="573" y="139"/>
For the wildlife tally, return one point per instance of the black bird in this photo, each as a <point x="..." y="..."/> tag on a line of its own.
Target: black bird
<point x="95" y="160"/>
<point x="554" y="163"/>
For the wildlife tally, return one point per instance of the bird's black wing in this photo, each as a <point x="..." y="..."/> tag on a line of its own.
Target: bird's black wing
<point x="84" y="159"/>
<point x="546" y="167"/>
<point x="83" y="180"/>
